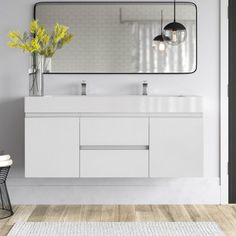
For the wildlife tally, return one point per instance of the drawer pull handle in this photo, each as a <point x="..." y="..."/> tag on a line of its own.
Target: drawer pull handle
<point x="114" y="147"/>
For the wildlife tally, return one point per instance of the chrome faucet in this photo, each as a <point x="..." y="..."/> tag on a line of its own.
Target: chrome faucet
<point x="145" y="88"/>
<point x="83" y="86"/>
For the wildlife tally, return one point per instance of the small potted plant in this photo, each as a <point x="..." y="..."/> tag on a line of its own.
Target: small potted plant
<point x="41" y="46"/>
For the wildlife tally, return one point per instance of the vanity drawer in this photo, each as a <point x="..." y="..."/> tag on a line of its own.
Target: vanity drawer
<point x="114" y="131"/>
<point x="114" y="163"/>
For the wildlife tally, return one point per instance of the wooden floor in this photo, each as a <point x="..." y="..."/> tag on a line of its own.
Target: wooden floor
<point x="225" y="216"/>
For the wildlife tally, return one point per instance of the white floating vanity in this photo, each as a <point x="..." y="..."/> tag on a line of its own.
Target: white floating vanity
<point x="113" y="136"/>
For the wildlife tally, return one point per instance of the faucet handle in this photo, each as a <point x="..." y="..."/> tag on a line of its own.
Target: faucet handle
<point x="83" y="86"/>
<point x="145" y="88"/>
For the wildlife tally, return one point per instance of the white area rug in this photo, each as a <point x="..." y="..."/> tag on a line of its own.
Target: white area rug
<point x="115" y="229"/>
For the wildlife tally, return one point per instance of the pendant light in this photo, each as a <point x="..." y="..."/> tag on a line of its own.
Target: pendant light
<point x="174" y="33"/>
<point x="159" y="42"/>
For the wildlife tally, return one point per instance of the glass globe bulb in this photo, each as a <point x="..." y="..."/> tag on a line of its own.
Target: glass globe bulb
<point x="162" y="46"/>
<point x="159" y="43"/>
<point x="175" y="33"/>
<point x="174" y="37"/>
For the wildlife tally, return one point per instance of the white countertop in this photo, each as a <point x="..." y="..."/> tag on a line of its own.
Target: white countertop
<point x="114" y="104"/>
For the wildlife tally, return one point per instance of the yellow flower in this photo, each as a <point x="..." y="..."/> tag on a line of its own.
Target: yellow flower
<point x="38" y="41"/>
<point x="14" y="35"/>
<point x="59" y="32"/>
<point x="40" y="32"/>
<point x="42" y="36"/>
<point x="35" y="46"/>
<point x="34" y="26"/>
<point x="67" y="39"/>
<point x="13" y="45"/>
<point x="45" y="39"/>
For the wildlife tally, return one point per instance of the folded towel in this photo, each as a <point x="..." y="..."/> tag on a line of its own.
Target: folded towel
<point x="5" y="157"/>
<point x="6" y="163"/>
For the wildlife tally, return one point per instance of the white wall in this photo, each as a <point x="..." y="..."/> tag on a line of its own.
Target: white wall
<point x="15" y="14"/>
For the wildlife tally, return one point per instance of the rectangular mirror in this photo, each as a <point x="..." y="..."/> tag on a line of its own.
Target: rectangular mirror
<point x="118" y="37"/>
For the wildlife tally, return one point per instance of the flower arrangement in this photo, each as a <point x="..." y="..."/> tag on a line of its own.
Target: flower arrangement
<point x="38" y="41"/>
<point x="42" y="46"/>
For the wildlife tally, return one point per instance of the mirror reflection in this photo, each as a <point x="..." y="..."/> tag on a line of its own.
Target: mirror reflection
<point x="123" y="38"/>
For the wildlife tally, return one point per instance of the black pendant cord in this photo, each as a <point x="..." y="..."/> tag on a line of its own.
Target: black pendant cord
<point x="174" y="10"/>
<point x="161" y="20"/>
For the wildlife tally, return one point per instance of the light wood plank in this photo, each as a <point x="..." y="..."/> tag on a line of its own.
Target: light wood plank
<point x="72" y="213"/>
<point x="21" y="214"/>
<point x="110" y="213"/>
<point x="144" y="213"/>
<point x="127" y="213"/>
<point x="160" y="215"/>
<point x="54" y="213"/>
<point x="218" y="217"/>
<point x="93" y="213"/>
<point x="178" y="213"/>
<point x="38" y="213"/>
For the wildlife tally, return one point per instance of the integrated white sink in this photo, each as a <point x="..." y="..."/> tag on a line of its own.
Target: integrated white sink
<point x="114" y="104"/>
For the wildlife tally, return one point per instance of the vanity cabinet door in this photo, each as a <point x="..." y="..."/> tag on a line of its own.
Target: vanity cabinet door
<point x="52" y="147"/>
<point x="176" y="147"/>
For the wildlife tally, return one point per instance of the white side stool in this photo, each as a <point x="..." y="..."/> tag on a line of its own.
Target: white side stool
<point x="5" y="203"/>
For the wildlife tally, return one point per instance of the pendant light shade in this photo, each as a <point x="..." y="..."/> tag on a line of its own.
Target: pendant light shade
<point x="159" y="42"/>
<point x="174" y="33"/>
